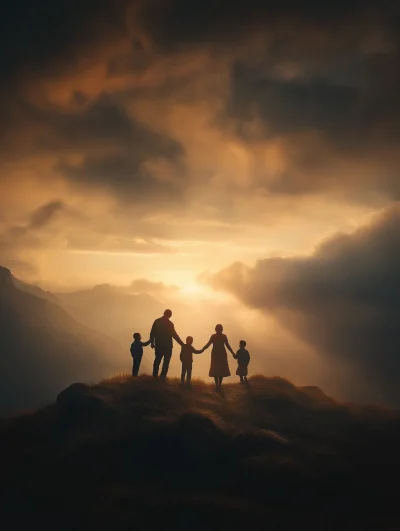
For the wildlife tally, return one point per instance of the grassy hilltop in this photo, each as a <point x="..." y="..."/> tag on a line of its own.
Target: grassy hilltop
<point x="138" y="454"/>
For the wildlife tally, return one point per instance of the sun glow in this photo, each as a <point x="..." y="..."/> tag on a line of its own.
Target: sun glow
<point x="192" y="289"/>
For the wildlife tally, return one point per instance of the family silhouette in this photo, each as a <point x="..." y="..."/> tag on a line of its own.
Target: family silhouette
<point x="161" y="339"/>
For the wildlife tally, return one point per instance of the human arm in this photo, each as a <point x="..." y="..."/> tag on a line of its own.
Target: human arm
<point x="228" y="346"/>
<point x="248" y="357"/>
<point x="152" y="334"/>
<point x="176" y="337"/>
<point x="195" y="351"/>
<point x="208" y="344"/>
<point x="146" y="343"/>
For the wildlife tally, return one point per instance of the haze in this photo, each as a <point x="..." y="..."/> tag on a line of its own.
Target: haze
<point x="240" y="172"/>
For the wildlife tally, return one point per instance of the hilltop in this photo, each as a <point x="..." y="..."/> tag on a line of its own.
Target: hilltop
<point x="139" y="454"/>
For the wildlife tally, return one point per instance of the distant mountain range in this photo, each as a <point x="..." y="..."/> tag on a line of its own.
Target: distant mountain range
<point x="108" y="309"/>
<point x="47" y="341"/>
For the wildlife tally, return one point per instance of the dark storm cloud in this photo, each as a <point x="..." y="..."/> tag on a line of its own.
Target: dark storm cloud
<point x="287" y="106"/>
<point x="122" y="172"/>
<point x="107" y="121"/>
<point x="351" y="117"/>
<point x="49" y="40"/>
<point x="348" y="98"/>
<point x="129" y="146"/>
<point x="125" y="173"/>
<point x="180" y="22"/>
<point x="345" y="92"/>
<point x="38" y="35"/>
<point x="104" y="121"/>
<point x="326" y="82"/>
<point x="115" y="146"/>
<point x="344" y="299"/>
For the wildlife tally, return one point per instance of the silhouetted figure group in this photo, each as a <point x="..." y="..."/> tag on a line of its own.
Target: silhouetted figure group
<point x="161" y="339"/>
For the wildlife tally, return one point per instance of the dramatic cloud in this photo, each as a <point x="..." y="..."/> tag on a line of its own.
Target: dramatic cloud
<point x="178" y="22"/>
<point x="331" y="124"/>
<point x="344" y="299"/>
<point x="37" y="37"/>
<point x="301" y="98"/>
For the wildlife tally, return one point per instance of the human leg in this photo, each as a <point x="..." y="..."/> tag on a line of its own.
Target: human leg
<point x="216" y="381"/>
<point x="156" y="364"/>
<point x="183" y="374"/>
<point x="165" y="367"/>
<point x="189" y="375"/>
<point x="136" y="365"/>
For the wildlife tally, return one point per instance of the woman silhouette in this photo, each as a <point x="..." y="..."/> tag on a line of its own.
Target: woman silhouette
<point x="219" y="359"/>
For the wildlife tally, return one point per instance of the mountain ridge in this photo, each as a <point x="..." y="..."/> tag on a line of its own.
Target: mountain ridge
<point x="42" y="347"/>
<point x="106" y="307"/>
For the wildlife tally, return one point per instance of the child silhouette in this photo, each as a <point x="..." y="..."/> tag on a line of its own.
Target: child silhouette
<point x="137" y="352"/>
<point x="186" y="358"/>
<point x="243" y="358"/>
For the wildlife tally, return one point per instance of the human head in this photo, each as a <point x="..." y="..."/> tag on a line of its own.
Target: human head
<point x="137" y="336"/>
<point x="242" y="343"/>
<point x="189" y="340"/>
<point x="219" y="328"/>
<point x="167" y="314"/>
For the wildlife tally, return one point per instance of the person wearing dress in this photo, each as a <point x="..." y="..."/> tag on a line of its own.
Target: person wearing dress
<point x="219" y="360"/>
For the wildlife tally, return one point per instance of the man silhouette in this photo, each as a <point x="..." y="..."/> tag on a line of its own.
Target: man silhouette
<point x="161" y="335"/>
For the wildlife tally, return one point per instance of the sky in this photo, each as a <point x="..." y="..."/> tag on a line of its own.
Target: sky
<point x="244" y="152"/>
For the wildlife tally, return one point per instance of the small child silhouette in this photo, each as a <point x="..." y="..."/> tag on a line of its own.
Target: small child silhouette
<point x="137" y="352"/>
<point x="186" y="358"/>
<point x="243" y="358"/>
